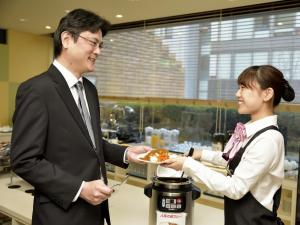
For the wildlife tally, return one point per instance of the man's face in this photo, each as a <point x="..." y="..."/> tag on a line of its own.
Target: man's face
<point x="81" y="54"/>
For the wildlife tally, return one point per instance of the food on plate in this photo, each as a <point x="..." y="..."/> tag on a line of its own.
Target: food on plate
<point x="157" y="155"/>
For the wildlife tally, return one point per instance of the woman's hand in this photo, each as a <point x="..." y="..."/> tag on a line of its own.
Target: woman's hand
<point x="175" y="163"/>
<point x="197" y="154"/>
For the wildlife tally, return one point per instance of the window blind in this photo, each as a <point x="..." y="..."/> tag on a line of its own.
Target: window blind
<point x="198" y="59"/>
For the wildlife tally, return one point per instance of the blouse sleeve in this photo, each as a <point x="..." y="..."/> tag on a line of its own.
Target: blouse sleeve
<point x="214" y="157"/>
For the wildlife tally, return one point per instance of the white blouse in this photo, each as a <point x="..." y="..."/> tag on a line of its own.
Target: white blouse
<point x="260" y="171"/>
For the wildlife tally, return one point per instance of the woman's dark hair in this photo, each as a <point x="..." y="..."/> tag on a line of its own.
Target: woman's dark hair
<point x="77" y="21"/>
<point x="268" y="76"/>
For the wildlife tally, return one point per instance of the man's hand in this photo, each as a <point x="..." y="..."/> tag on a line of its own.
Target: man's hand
<point x="95" y="192"/>
<point x="134" y="151"/>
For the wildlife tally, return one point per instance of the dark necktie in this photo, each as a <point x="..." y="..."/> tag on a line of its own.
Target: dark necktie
<point x="84" y="111"/>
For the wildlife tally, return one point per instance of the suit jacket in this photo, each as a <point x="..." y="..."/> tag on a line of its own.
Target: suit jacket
<point x="52" y="150"/>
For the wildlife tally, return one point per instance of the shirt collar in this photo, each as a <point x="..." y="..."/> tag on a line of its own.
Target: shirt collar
<point x="67" y="74"/>
<point x="253" y="127"/>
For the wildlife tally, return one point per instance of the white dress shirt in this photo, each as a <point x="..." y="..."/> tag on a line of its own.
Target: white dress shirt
<point x="260" y="171"/>
<point x="71" y="80"/>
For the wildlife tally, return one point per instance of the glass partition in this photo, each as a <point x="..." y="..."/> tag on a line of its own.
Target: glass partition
<point x="198" y="126"/>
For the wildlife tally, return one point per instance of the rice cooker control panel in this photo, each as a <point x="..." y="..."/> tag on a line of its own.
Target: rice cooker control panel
<point x="171" y="204"/>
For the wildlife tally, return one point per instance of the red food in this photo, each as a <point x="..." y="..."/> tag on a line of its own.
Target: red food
<point x="160" y="154"/>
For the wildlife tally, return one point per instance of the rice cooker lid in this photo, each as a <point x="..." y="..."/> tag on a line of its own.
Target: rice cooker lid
<point x="172" y="183"/>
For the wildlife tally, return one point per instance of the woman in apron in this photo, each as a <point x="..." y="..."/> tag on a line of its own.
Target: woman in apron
<point x="254" y="155"/>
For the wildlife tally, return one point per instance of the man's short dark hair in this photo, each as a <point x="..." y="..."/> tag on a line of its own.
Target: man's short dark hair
<point x="77" y="21"/>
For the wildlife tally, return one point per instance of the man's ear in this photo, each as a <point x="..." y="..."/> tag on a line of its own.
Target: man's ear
<point x="268" y="94"/>
<point x="66" y="39"/>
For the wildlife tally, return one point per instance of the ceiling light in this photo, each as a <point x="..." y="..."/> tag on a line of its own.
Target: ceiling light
<point x="280" y="23"/>
<point x="48" y="27"/>
<point x="23" y="20"/>
<point x="119" y="16"/>
<point x="111" y="40"/>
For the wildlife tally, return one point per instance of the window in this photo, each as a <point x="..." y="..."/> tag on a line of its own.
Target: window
<point x="262" y="27"/>
<point x="260" y="58"/>
<point x="226" y="30"/>
<point x="187" y="59"/>
<point x="296" y="65"/>
<point x="283" y="60"/>
<point x="242" y="61"/>
<point x="244" y="28"/>
<point x="262" y="23"/>
<point x="284" y="21"/>
<point x="224" y="64"/>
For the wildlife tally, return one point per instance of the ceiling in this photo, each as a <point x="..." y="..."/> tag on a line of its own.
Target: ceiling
<point x="33" y="15"/>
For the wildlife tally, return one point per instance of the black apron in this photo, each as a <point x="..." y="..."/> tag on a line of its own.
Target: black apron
<point x="247" y="210"/>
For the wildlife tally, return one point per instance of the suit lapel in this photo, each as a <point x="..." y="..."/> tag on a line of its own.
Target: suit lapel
<point x="66" y="95"/>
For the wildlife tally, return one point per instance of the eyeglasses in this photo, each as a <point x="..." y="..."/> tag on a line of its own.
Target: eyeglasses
<point x="95" y="44"/>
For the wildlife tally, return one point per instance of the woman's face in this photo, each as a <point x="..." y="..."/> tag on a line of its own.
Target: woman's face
<point x="250" y="99"/>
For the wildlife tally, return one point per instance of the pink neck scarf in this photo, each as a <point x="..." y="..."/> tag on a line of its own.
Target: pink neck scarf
<point x="235" y="142"/>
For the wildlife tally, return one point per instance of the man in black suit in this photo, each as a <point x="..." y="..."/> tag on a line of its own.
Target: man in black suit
<point x="57" y="145"/>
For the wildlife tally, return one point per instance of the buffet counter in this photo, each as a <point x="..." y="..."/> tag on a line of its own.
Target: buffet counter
<point x="15" y="203"/>
<point x="128" y="205"/>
